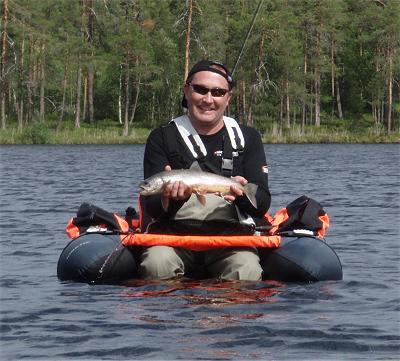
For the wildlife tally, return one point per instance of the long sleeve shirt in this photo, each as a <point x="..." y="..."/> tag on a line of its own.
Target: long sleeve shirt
<point x="253" y="167"/>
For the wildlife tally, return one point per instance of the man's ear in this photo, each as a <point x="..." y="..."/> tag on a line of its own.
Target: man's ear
<point x="186" y="89"/>
<point x="229" y="95"/>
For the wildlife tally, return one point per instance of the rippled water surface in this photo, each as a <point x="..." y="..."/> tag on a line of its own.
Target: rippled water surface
<point x="354" y="319"/>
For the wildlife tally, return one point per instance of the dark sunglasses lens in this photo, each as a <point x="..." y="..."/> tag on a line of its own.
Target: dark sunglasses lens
<point x="215" y="92"/>
<point x="218" y="92"/>
<point x="200" y="89"/>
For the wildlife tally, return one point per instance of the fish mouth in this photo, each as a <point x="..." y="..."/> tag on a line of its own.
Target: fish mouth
<point x="143" y="189"/>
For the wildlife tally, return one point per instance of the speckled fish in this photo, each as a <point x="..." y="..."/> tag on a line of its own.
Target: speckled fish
<point x="201" y="183"/>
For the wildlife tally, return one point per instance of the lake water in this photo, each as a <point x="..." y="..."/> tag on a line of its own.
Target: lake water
<point x="354" y="319"/>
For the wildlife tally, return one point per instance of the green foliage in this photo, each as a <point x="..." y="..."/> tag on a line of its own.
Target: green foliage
<point x="142" y="43"/>
<point x="37" y="133"/>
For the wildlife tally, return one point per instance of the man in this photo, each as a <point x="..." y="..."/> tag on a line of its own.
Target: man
<point x="217" y="144"/>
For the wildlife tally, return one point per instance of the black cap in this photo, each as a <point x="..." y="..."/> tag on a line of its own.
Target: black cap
<point x="208" y="65"/>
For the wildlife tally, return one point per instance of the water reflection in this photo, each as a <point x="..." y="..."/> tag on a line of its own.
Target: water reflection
<point x="205" y="292"/>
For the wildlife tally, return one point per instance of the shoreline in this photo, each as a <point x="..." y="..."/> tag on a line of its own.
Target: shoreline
<point x="40" y="133"/>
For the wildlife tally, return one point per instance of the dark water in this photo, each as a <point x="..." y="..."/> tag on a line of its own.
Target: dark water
<point x="354" y="319"/>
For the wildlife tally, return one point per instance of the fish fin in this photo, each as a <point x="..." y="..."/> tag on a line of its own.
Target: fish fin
<point x="250" y="190"/>
<point x="201" y="198"/>
<point x="196" y="166"/>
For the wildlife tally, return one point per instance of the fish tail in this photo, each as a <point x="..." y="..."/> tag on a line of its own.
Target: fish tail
<point x="250" y="190"/>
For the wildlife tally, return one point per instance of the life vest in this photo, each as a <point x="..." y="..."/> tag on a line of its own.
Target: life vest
<point x="232" y="149"/>
<point x="217" y="211"/>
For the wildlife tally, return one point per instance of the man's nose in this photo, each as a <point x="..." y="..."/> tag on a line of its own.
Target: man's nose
<point x="208" y="97"/>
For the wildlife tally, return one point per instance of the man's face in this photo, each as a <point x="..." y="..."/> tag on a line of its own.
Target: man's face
<point x="205" y="110"/>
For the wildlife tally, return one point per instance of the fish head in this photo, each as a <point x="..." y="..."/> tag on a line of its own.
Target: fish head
<point x="152" y="185"/>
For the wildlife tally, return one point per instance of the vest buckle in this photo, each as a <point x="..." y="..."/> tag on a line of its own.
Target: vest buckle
<point x="227" y="164"/>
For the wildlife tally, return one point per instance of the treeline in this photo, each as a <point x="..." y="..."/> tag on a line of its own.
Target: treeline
<point x="306" y="63"/>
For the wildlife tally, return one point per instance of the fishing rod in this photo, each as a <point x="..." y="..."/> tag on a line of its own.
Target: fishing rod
<point x="247" y="36"/>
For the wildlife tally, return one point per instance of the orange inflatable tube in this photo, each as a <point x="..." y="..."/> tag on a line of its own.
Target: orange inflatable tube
<point x="199" y="243"/>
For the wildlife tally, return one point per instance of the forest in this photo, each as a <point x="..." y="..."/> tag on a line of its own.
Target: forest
<point x="74" y="70"/>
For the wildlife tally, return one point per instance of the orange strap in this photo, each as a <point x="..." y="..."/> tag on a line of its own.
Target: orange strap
<point x="279" y="217"/>
<point x="123" y="224"/>
<point x="72" y="230"/>
<point x="325" y="225"/>
<point x="199" y="243"/>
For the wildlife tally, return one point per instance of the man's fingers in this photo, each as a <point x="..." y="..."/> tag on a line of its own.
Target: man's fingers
<point x="177" y="190"/>
<point x="242" y="180"/>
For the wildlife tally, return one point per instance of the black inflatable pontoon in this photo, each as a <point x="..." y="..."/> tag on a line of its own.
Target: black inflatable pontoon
<point x="101" y="258"/>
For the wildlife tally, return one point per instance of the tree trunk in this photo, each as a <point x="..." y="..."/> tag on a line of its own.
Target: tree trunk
<point x="120" y="95"/>
<point x="317" y="74"/>
<point x="90" y="85"/>
<point x="3" y="84"/>
<point x="29" y="83"/>
<point x="379" y="116"/>
<point x="188" y="35"/>
<point x="64" y="87"/>
<point x="135" y="104"/>
<point x="152" y="108"/>
<point x="42" y="79"/>
<point x="85" y="96"/>
<point x="20" y="111"/>
<point x="78" y="96"/>
<point x="126" y="116"/>
<point x="317" y="86"/>
<point x="390" y="89"/>
<point x="134" y="107"/>
<point x="294" y="115"/>
<point x="304" y="105"/>
<point x="137" y="91"/>
<point x="287" y="103"/>
<point x="338" y="100"/>
<point x="374" y="113"/>
<point x="311" y="109"/>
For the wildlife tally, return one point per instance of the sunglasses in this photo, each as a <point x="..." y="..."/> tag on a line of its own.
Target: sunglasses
<point x="215" y="92"/>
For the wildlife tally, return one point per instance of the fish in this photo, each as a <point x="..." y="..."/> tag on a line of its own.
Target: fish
<point x="201" y="182"/>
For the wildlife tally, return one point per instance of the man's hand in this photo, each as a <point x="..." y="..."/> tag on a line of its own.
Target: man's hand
<point x="234" y="190"/>
<point x="175" y="191"/>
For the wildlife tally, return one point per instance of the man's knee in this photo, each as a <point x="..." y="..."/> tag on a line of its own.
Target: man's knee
<point x="242" y="264"/>
<point x="161" y="262"/>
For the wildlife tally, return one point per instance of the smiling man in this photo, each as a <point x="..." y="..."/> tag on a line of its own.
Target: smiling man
<point x="205" y="138"/>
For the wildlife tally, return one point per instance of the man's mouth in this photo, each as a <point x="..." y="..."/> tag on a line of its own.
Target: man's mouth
<point x="205" y="110"/>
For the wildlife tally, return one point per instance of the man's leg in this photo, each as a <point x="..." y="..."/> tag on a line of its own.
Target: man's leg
<point x="163" y="262"/>
<point x="234" y="264"/>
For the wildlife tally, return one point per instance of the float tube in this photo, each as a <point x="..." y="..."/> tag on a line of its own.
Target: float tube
<point x="105" y="250"/>
<point x="101" y="258"/>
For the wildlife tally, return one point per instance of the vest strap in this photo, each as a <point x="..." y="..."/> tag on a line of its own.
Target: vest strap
<point x="231" y="149"/>
<point x="227" y="156"/>
<point x="186" y="130"/>
<point x="235" y="133"/>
